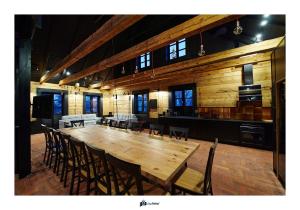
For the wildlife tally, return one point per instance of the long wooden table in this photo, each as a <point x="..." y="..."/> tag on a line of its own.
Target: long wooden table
<point x="161" y="158"/>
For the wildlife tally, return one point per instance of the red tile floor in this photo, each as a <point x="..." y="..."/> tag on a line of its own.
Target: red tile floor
<point x="236" y="171"/>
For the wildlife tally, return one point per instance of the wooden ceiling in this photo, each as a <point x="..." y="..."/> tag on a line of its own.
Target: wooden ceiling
<point x="188" y="28"/>
<point x="112" y="40"/>
<point x="106" y="32"/>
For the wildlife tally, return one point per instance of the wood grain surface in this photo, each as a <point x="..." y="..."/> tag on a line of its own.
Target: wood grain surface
<point x="161" y="158"/>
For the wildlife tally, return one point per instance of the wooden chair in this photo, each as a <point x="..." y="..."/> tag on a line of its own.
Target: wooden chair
<point x="57" y="150"/>
<point x="179" y="132"/>
<point x="137" y="126"/>
<point x="123" y="124"/>
<point x="156" y="129"/>
<point x="77" y="123"/>
<point x="68" y="164"/>
<point x="195" y="183"/>
<point x="126" y="176"/>
<point x="113" y="123"/>
<point x="52" y="147"/>
<point x="47" y="142"/>
<point x="103" y="121"/>
<point x="101" y="170"/>
<point x="128" y="180"/>
<point x="81" y="163"/>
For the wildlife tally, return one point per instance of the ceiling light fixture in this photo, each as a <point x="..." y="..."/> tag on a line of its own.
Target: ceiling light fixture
<point x="123" y="69"/>
<point x="258" y="37"/>
<point x="266" y="16"/>
<point x="136" y="67"/>
<point x="263" y="23"/>
<point x="201" y="51"/>
<point x="238" y="29"/>
<point x="68" y="73"/>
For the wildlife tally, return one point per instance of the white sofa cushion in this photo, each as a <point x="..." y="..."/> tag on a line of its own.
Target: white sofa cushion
<point x="68" y="118"/>
<point x="89" y="119"/>
<point x="88" y="116"/>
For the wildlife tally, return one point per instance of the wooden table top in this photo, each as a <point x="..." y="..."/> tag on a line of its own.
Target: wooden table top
<point x="160" y="157"/>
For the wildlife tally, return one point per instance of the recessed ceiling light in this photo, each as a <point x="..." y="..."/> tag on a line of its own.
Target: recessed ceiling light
<point x="266" y="16"/>
<point x="68" y="73"/>
<point x="258" y="37"/>
<point x="263" y="23"/>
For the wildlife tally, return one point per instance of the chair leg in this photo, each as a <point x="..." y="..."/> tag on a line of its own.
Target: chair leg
<point x="45" y="154"/>
<point x="66" y="176"/>
<point x="55" y="162"/>
<point x="57" y="167"/>
<point x="88" y="187"/>
<point x="48" y="158"/>
<point x="62" y="170"/>
<point x="51" y="156"/>
<point x="78" y="185"/>
<point x="72" y="181"/>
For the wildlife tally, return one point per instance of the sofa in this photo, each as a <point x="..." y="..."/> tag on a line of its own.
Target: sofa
<point x="89" y="119"/>
<point x="124" y="117"/>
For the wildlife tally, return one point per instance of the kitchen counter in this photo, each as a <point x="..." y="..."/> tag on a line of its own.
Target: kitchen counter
<point x="217" y="119"/>
<point x="252" y="133"/>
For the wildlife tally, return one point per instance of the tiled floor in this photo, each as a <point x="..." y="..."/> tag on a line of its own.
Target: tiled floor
<point x="236" y="171"/>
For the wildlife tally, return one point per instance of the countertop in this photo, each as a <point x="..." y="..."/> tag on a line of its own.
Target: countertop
<point x="217" y="119"/>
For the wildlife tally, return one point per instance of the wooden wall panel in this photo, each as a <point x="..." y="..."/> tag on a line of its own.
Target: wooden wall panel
<point x="216" y="88"/>
<point x="262" y="75"/>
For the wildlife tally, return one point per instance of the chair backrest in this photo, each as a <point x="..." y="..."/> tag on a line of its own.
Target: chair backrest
<point x="100" y="168"/>
<point x="178" y="132"/>
<point x="79" y="155"/>
<point x="64" y="142"/>
<point x="50" y="138"/>
<point x="125" y="176"/>
<point x="209" y="164"/>
<point x="113" y="123"/>
<point x="77" y="123"/>
<point x="156" y="129"/>
<point x="45" y="131"/>
<point x="56" y="138"/>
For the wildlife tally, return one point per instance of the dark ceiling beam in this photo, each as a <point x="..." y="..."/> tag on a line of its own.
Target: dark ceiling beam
<point x="107" y="31"/>
<point x="186" y="29"/>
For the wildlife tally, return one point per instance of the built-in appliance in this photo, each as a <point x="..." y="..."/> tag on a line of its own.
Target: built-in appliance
<point x="248" y="91"/>
<point x="252" y="134"/>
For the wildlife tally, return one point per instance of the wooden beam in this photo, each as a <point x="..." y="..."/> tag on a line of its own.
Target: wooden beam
<point x="107" y="31"/>
<point x="186" y="29"/>
<point x="205" y="60"/>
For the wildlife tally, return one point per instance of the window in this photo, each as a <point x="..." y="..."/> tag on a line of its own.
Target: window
<point x="91" y="104"/>
<point x="145" y="60"/>
<point x="177" y="49"/>
<point x="141" y="103"/>
<point x="183" y="98"/>
<point x="57" y="102"/>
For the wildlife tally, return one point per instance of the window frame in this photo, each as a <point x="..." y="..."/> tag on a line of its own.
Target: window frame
<point x="53" y="105"/>
<point x="184" y="109"/>
<point x="144" y="93"/>
<point x="91" y="104"/>
<point x="146" y="60"/>
<point x="177" y="50"/>
<point x="99" y="103"/>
